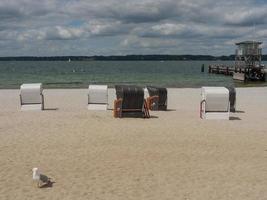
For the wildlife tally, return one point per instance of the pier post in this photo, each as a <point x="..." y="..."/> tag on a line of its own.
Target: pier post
<point x="202" y="68"/>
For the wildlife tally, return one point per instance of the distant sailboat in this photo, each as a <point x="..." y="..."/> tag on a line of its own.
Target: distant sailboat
<point x="69" y="60"/>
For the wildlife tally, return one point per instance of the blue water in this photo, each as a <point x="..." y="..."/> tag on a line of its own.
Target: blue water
<point x="79" y="74"/>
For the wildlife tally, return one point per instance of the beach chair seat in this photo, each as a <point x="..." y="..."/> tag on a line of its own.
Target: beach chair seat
<point x="153" y="102"/>
<point x="157" y="99"/>
<point x="130" y="102"/>
<point x="214" y="103"/>
<point x="97" y="97"/>
<point x="31" y="96"/>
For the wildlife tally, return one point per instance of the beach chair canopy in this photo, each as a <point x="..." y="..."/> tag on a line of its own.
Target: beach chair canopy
<point x="31" y="93"/>
<point x="132" y="96"/>
<point x="97" y="94"/>
<point x="97" y="97"/>
<point x="216" y="99"/>
<point x="161" y="93"/>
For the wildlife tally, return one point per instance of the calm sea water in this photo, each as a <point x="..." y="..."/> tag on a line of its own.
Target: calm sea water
<point x="78" y="74"/>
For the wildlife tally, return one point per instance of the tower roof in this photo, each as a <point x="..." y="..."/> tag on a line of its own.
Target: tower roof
<point x="248" y="42"/>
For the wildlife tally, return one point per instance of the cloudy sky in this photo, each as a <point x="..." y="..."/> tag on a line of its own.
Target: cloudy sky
<point x="120" y="27"/>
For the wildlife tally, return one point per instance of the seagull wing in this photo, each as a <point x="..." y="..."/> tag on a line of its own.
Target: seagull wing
<point x="44" y="178"/>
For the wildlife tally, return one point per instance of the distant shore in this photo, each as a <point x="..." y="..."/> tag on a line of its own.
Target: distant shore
<point x="123" y="58"/>
<point x="118" y="58"/>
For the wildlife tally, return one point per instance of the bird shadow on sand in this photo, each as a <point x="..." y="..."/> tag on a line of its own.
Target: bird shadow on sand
<point x="48" y="185"/>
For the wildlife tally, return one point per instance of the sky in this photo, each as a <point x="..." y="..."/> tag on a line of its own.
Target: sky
<point x="123" y="27"/>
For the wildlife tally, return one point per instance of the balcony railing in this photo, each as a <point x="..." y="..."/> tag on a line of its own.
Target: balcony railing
<point x="248" y="51"/>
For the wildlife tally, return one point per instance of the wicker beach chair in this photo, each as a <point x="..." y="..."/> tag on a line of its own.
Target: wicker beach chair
<point x="97" y="97"/>
<point x="31" y="96"/>
<point x="130" y="102"/>
<point x="157" y="99"/>
<point x="214" y="103"/>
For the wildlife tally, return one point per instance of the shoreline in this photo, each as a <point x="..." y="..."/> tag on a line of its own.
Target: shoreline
<point x="85" y="86"/>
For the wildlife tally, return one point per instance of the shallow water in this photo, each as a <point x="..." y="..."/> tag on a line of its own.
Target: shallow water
<point x="77" y="74"/>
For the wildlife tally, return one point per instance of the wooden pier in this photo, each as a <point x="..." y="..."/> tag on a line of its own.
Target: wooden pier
<point x="241" y="74"/>
<point x="225" y="69"/>
<point x="247" y="66"/>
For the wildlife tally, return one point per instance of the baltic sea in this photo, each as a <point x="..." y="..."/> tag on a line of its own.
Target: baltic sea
<point x="79" y="74"/>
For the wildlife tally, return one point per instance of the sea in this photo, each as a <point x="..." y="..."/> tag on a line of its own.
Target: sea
<point x="79" y="74"/>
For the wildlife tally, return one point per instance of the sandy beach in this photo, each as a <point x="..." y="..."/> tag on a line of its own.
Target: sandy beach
<point x="173" y="155"/>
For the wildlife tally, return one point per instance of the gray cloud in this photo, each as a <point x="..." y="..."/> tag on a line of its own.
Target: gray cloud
<point x="78" y="27"/>
<point x="125" y="11"/>
<point x="247" y="17"/>
<point x="188" y="31"/>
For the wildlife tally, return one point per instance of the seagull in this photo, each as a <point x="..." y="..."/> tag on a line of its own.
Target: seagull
<point x="41" y="179"/>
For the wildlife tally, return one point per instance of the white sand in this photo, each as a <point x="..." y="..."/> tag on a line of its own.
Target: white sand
<point x="174" y="155"/>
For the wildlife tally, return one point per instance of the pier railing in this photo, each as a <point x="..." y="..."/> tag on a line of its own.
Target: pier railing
<point x="249" y="51"/>
<point x="224" y="69"/>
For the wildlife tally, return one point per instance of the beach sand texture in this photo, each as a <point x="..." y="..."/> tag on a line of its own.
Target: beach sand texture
<point x="173" y="155"/>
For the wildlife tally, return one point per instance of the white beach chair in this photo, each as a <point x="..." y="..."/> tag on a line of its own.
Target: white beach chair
<point x="214" y="103"/>
<point x="31" y="96"/>
<point x="97" y="97"/>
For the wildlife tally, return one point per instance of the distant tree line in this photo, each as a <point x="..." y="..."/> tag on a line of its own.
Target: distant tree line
<point x="122" y="58"/>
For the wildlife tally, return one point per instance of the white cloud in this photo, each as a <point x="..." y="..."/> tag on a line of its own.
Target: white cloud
<point x="61" y="33"/>
<point x="106" y="28"/>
